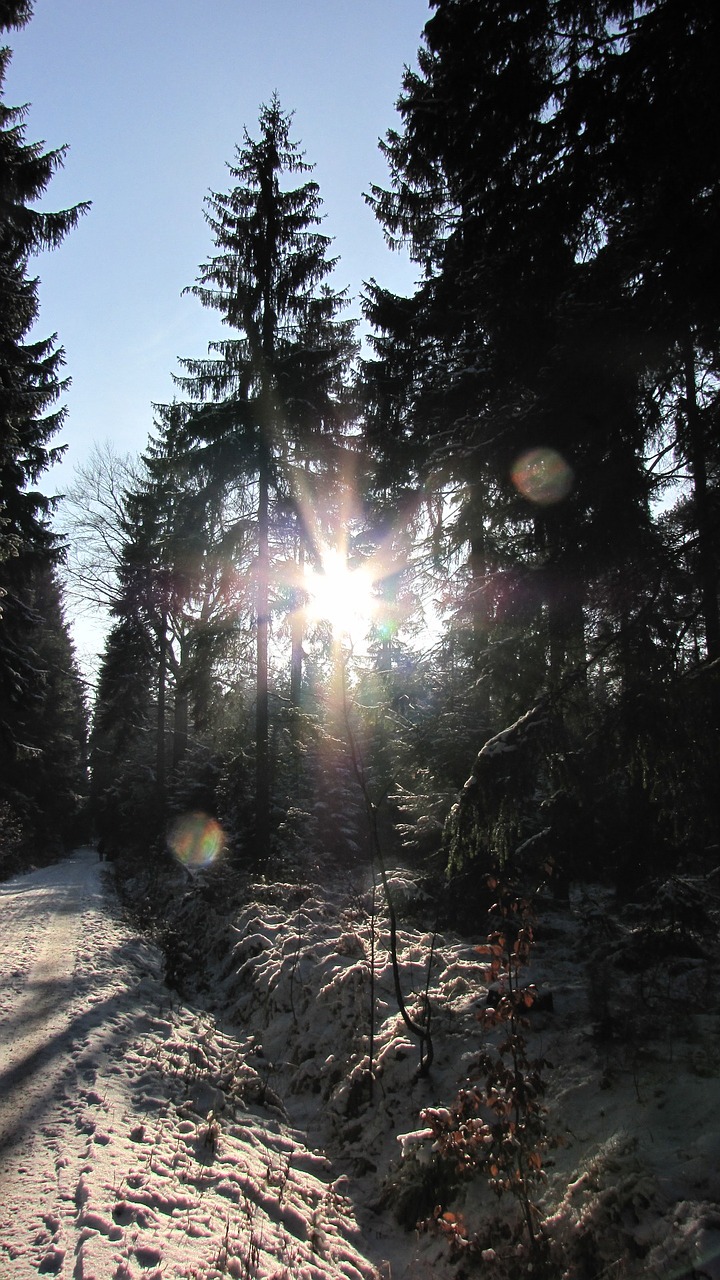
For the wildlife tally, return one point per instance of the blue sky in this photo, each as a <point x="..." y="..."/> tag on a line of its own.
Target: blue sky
<point x="151" y="97"/>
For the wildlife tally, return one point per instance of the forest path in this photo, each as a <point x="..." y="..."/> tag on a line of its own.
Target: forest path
<point x="65" y="1013"/>
<point x="127" y="1151"/>
<point x="40" y="921"/>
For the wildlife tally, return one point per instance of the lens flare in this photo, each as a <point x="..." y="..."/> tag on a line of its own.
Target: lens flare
<point x="196" y="839"/>
<point x="542" y="476"/>
<point x="340" y="595"/>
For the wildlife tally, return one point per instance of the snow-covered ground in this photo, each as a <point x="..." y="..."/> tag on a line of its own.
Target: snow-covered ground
<point x="633" y="1092"/>
<point x="232" y="1133"/>
<point x="111" y="1164"/>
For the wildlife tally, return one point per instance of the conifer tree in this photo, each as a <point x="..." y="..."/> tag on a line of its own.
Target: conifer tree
<point x="43" y="756"/>
<point x="196" y="536"/>
<point x="123" y="747"/>
<point x="273" y="394"/>
<point x="660" y="185"/>
<point x="567" y="301"/>
<point x="30" y="384"/>
<point x="30" y="371"/>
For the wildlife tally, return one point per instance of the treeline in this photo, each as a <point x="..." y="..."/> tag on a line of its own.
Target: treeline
<point x="525" y="458"/>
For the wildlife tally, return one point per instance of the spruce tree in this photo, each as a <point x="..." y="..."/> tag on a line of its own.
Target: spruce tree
<point x="560" y="307"/>
<point x="273" y="393"/>
<point x="30" y="371"/>
<point x="123" y="789"/>
<point x="44" y="782"/>
<point x="30" y="383"/>
<point x="660" y="204"/>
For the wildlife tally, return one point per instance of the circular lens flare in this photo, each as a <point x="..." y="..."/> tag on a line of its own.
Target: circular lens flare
<point x="542" y="476"/>
<point x="196" y="839"/>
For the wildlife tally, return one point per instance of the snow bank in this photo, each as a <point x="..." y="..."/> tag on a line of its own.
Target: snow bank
<point x="632" y="1176"/>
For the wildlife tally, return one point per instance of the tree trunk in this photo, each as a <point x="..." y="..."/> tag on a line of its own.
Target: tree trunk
<point x="162" y="688"/>
<point x="262" y="753"/>
<point x="180" y="709"/>
<point x="480" y="623"/>
<point x="698" y="466"/>
<point x="297" y="632"/>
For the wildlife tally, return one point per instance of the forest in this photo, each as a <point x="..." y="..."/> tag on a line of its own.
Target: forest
<point x="432" y="588"/>
<point x="514" y="481"/>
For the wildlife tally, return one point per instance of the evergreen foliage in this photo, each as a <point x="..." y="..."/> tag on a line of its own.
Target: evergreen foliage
<point x="41" y="704"/>
<point x="533" y="459"/>
<point x="540" y="197"/>
<point x="270" y="402"/>
<point x="43" y="748"/>
<point x="530" y="452"/>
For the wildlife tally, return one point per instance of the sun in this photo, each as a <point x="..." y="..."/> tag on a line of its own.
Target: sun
<point x="340" y="595"/>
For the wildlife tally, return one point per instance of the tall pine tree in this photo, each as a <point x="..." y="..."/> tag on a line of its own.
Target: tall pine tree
<point x="274" y="392"/>
<point x="561" y="308"/>
<point x="30" y="384"/>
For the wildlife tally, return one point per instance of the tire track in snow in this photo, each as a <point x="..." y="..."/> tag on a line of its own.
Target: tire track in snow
<point x="32" y="1034"/>
<point x="34" y="1027"/>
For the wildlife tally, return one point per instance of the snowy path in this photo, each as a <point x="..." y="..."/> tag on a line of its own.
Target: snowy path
<point x="126" y="1149"/>
<point x="40" y="918"/>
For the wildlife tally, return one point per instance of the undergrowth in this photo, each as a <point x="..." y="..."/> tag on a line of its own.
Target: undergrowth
<point x="495" y="1129"/>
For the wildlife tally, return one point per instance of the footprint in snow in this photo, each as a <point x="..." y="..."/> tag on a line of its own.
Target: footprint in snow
<point x="148" y="1257"/>
<point x="51" y="1264"/>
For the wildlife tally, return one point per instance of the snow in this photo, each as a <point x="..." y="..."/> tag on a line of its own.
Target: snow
<point x="126" y="1146"/>
<point x="231" y="1132"/>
